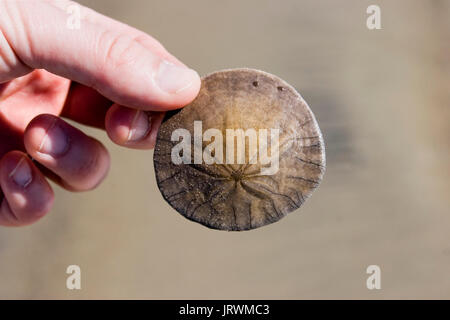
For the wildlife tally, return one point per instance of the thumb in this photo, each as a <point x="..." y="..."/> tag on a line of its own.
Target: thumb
<point x="122" y="63"/>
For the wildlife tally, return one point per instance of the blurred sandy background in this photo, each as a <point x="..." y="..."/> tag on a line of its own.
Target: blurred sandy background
<point x="382" y="99"/>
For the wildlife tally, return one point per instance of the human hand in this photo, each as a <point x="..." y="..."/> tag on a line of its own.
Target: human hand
<point x="105" y="74"/>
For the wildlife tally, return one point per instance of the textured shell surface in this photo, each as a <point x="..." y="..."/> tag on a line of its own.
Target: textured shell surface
<point x="239" y="195"/>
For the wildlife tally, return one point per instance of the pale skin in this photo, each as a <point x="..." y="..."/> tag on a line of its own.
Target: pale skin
<point x="106" y="75"/>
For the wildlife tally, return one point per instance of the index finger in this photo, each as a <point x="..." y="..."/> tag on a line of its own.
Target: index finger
<point x="118" y="62"/>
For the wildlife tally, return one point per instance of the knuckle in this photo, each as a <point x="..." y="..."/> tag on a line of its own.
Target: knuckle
<point x="92" y="170"/>
<point x="118" y="50"/>
<point x="41" y="208"/>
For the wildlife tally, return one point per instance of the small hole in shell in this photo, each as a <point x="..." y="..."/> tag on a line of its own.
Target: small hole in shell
<point x="255" y="83"/>
<point x="280" y="88"/>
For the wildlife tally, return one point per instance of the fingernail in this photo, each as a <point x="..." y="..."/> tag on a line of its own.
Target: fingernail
<point x="21" y="174"/>
<point x="55" y="141"/>
<point x="172" y="78"/>
<point x="140" y="126"/>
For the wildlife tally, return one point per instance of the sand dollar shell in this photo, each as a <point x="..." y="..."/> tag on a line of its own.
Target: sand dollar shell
<point x="248" y="191"/>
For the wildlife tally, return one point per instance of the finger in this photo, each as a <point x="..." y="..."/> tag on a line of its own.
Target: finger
<point x="133" y="128"/>
<point x="27" y="194"/>
<point x="79" y="160"/>
<point x="112" y="61"/>
<point x="86" y="106"/>
<point x="111" y="24"/>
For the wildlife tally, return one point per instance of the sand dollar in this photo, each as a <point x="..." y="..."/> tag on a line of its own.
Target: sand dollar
<point x="246" y="152"/>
